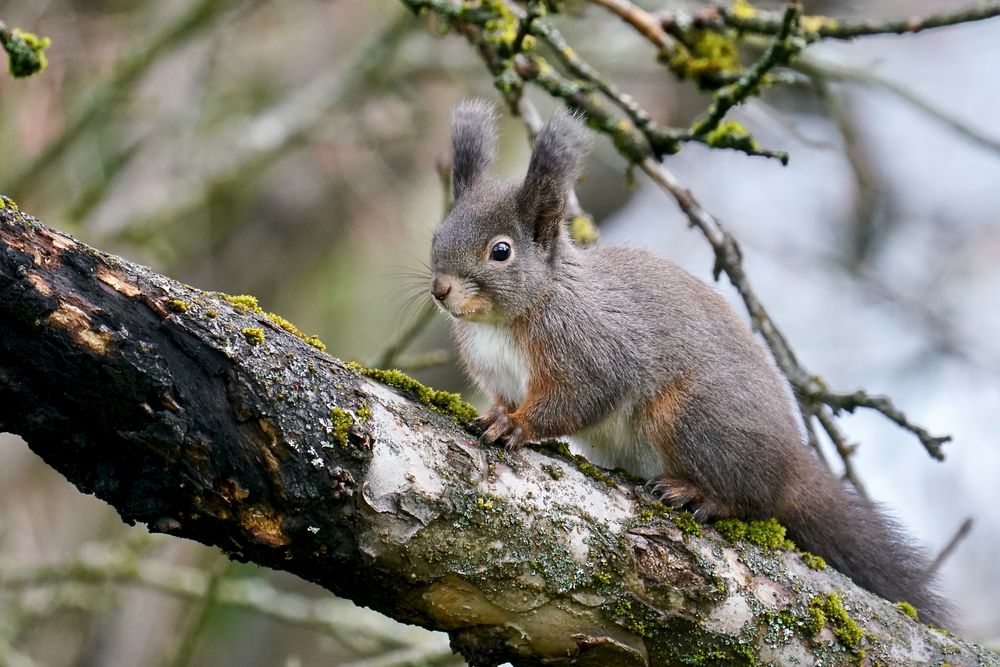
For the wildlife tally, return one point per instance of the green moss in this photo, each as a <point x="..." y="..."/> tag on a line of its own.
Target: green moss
<point x="555" y="472"/>
<point x="440" y="401"/>
<point x="592" y="471"/>
<point x="583" y="230"/>
<point x="254" y="335"/>
<point x="212" y="312"/>
<point x="26" y="52"/>
<point x="582" y="464"/>
<point x="559" y="446"/>
<point x="768" y="533"/>
<point x="243" y="302"/>
<point x="907" y="609"/>
<point x="742" y="9"/>
<point x="830" y="608"/>
<point x="364" y="413"/>
<point x="732" y="134"/>
<point x="816" y="621"/>
<point x="342" y="423"/>
<point x="813" y="561"/>
<point x="738" y="654"/>
<point x="179" y="305"/>
<point x="248" y="303"/>
<point x="604" y="578"/>
<point x="687" y="523"/>
<point x="499" y="24"/>
<point x="7" y="202"/>
<point x="707" y="57"/>
<point x="629" y="618"/>
<point x="315" y="342"/>
<point x="292" y="329"/>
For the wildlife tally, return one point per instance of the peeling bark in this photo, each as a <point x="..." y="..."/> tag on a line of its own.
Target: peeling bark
<point x="165" y="402"/>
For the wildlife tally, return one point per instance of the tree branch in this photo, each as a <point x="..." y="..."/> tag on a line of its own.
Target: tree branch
<point x="201" y="416"/>
<point x="742" y="16"/>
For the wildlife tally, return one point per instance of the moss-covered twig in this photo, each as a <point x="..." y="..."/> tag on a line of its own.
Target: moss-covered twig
<point x="25" y="51"/>
<point x="742" y="16"/>
<point x="785" y="45"/>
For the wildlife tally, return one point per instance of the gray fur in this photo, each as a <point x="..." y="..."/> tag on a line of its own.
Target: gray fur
<point x="473" y="143"/>
<point x="618" y="325"/>
<point x="555" y="161"/>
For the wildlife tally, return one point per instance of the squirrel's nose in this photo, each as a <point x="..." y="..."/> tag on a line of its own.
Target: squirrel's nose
<point x="440" y="289"/>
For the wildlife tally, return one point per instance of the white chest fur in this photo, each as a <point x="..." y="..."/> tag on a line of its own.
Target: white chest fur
<point x="494" y="360"/>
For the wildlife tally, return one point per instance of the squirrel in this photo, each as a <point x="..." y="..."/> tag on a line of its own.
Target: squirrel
<point x="643" y="364"/>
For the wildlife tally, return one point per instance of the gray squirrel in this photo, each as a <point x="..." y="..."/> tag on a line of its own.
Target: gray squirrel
<point x="638" y="360"/>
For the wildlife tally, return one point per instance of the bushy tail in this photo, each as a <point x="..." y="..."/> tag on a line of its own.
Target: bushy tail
<point x="857" y="538"/>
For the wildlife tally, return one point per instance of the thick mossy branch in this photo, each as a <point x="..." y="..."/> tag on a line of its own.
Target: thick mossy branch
<point x="203" y="417"/>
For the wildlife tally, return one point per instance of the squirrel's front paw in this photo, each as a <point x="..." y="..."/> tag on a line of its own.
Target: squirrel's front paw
<point x="501" y="427"/>
<point x="483" y="422"/>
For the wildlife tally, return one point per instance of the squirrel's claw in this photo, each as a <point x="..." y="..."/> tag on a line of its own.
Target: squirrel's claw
<point x="515" y="440"/>
<point x="498" y="426"/>
<point x="679" y="494"/>
<point x="491" y="424"/>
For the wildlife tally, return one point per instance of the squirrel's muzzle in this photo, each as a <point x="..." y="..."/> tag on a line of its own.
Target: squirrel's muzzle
<point x="440" y="288"/>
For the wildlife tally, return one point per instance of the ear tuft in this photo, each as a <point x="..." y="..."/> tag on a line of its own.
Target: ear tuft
<point x="555" y="163"/>
<point x="473" y="143"/>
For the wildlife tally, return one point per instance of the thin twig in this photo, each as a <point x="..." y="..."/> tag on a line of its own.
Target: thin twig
<point x="963" y="531"/>
<point x="824" y="27"/>
<point x="781" y="50"/>
<point x="883" y="404"/>
<point x="645" y="23"/>
<point x="844" y="449"/>
<point x="661" y="139"/>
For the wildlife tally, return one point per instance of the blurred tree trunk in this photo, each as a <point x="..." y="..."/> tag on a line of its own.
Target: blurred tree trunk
<point x="208" y="419"/>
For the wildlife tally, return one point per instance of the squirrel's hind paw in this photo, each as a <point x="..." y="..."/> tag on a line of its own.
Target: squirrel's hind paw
<point x="681" y="494"/>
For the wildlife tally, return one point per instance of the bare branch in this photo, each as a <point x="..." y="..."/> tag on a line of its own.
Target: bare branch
<point x="884" y="405"/>
<point x="645" y="23"/>
<point x="963" y="531"/>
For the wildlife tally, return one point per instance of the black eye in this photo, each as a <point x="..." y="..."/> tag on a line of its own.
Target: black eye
<point x="500" y="252"/>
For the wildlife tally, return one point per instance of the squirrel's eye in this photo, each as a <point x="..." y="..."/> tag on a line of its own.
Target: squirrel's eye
<point x="500" y="252"/>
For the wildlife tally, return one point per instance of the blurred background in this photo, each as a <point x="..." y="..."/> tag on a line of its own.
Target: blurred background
<point x="289" y="150"/>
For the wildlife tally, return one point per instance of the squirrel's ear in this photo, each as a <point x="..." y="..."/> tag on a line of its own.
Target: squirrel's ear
<point x="473" y="143"/>
<point x="555" y="160"/>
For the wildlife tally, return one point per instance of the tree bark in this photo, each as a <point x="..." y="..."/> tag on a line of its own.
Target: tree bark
<point x="206" y="419"/>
